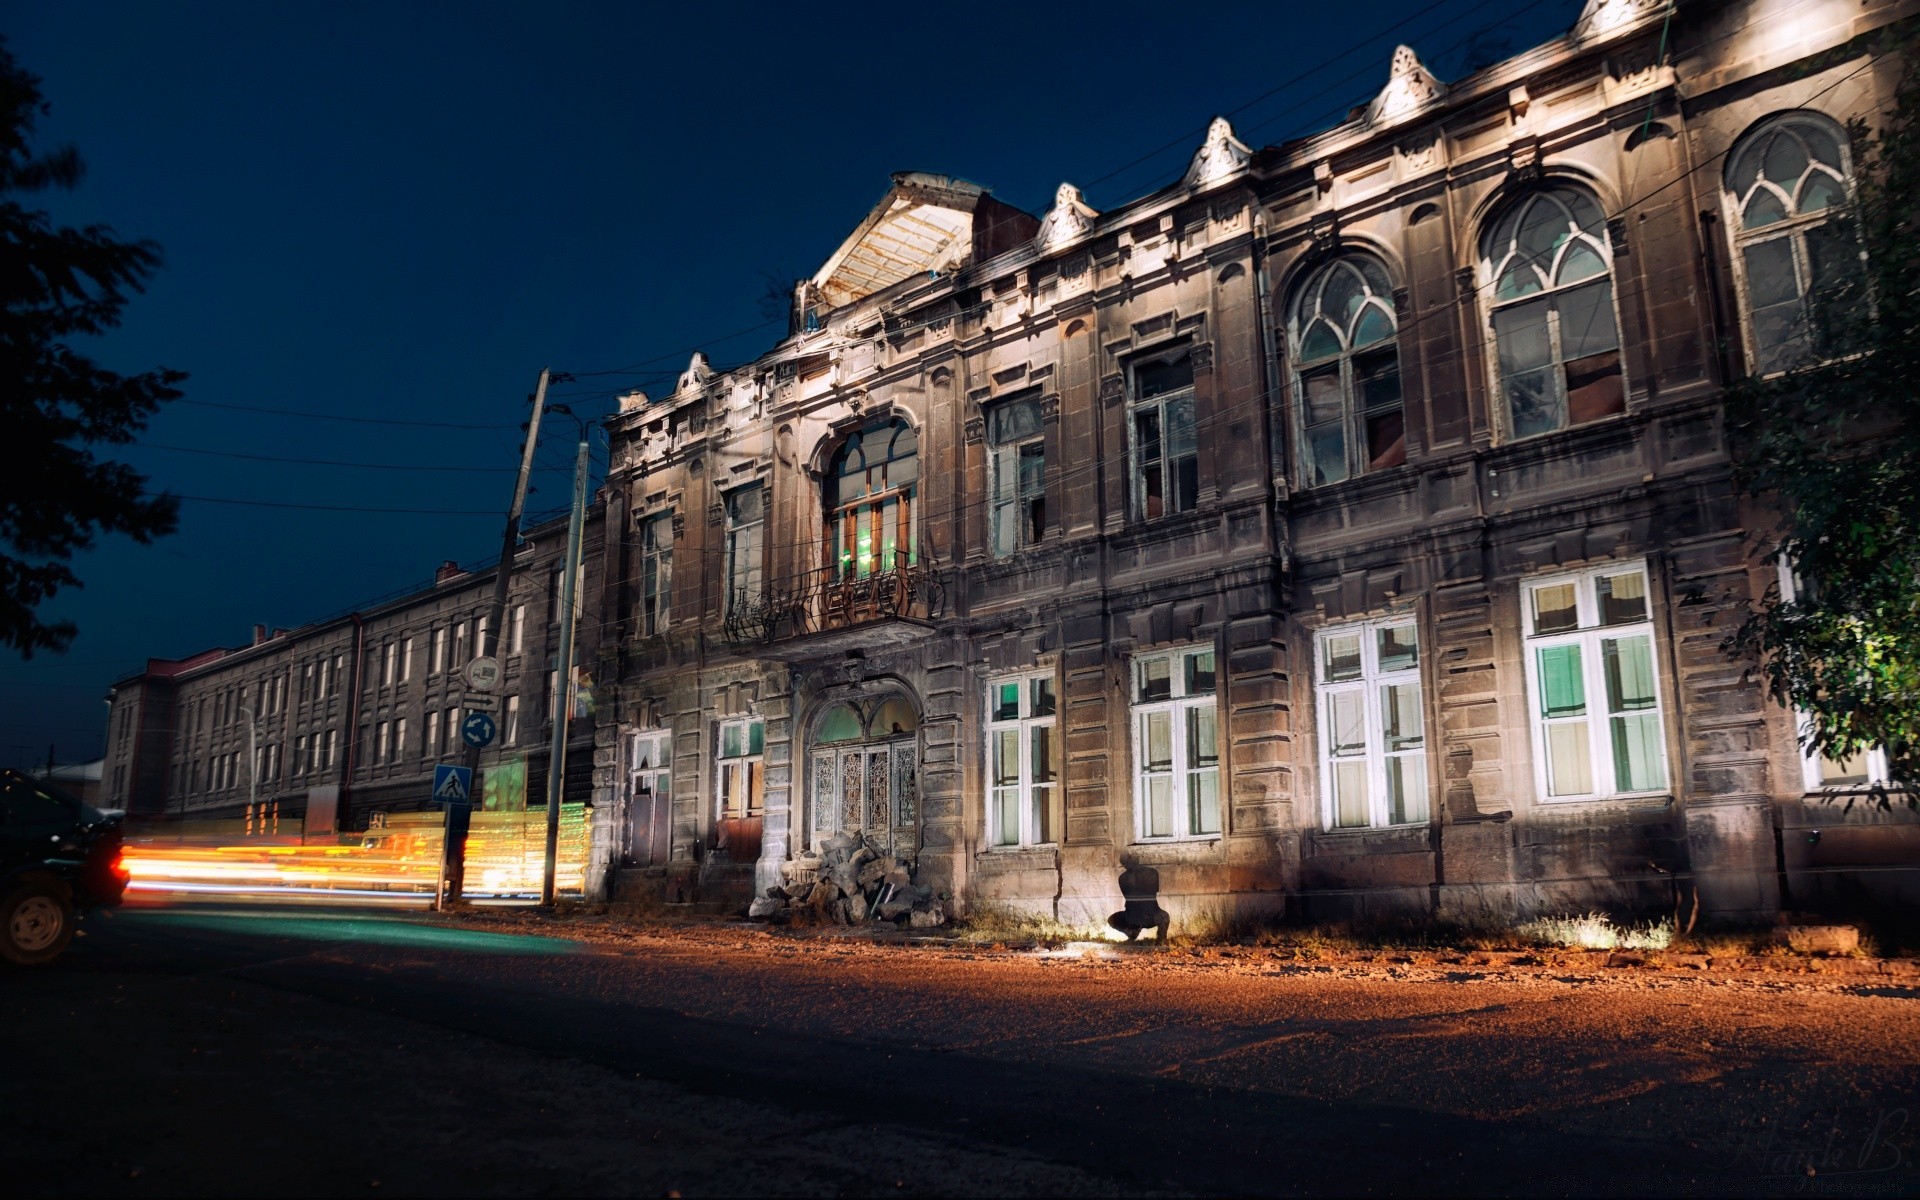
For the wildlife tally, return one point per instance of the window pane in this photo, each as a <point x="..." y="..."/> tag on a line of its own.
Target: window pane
<point x="1581" y="262"/>
<point x="1563" y="689"/>
<point x="1154" y="379"/>
<point x="1554" y="608"/>
<point x="1006" y="704"/>
<point x="1770" y="275"/>
<point x="1043" y="814"/>
<point x="1339" y="657"/>
<point x="1203" y="744"/>
<point x="1374" y="325"/>
<point x="1628" y="664"/>
<point x="1639" y="760"/>
<point x="1350" y="794"/>
<point x="1822" y="192"/>
<point x="756" y="738"/>
<point x="1006" y="816"/>
<point x="1013" y="421"/>
<point x="1399" y="647"/>
<point x="1849" y="771"/>
<point x="1199" y="672"/>
<point x="1320" y="342"/>
<point x="1839" y="284"/>
<point x="1386" y="435"/>
<point x="1586" y="320"/>
<point x="1159" y="802"/>
<point x="1347" y="723"/>
<point x="1533" y="403"/>
<point x="1156" y="679"/>
<point x="1006" y="758"/>
<point x="1521" y="331"/>
<point x="1595" y="388"/>
<point x="729" y="741"/>
<point x="1406" y="789"/>
<point x="1785" y="161"/>
<point x="1321" y="395"/>
<point x="1043" y="749"/>
<point x="1156" y="741"/>
<point x="1569" y="760"/>
<point x="1623" y="598"/>
<point x="1326" y="455"/>
<point x="1773" y="303"/>
<point x="1400" y="716"/>
<point x="1203" y="801"/>
<point x="1040" y="694"/>
<point x="1762" y="210"/>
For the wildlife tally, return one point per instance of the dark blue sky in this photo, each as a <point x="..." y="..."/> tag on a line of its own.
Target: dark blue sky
<point x="402" y="212"/>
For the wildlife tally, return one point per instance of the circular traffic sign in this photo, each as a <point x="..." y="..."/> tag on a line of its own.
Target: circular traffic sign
<point x="477" y="729"/>
<point x="483" y="673"/>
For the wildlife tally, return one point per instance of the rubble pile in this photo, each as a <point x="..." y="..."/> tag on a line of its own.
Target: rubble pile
<point x="851" y="881"/>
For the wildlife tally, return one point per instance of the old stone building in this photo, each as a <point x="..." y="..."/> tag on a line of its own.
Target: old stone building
<point x="353" y="712"/>
<point x="1346" y="525"/>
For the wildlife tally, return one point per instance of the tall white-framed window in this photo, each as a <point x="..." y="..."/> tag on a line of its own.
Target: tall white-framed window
<point x="650" y="763"/>
<point x="383" y="741"/>
<point x="406" y="659"/>
<point x="1346" y="379"/>
<point x="461" y="650"/>
<point x="510" y="722"/>
<point x="1819" y="773"/>
<point x="656" y="572"/>
<point x="1373" y="747"/>
<point x="1163" y="433"/>
<point x="1593" y="684"/>
<point x="437" y="657"/>
<point x="1796" y="257"/>
<point x="741" y="777"/>
<point x="389" y="663"/>
<point x="333" y="748"/>
<point x="1176" y="745"/>
<point x="301" y="762"/>
<point x="746" y="527"/>
<point x="399" y="738"/>
<point x="517" y="640"/>
<point x="430" y="737"/>
<point x="453" y="729"/>
<point x="1017" y="450"/>
<point x="1023" y="761"/>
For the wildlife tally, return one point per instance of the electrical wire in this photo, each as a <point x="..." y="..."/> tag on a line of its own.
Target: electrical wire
<point x="319" y="416"/>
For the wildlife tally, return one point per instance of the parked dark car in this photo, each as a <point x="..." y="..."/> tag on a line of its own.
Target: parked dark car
<point x="58" y="856"/>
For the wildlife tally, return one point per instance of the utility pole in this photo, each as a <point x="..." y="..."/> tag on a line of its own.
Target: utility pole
<point x="563" y="692"/>
<point x="453" y="855"/>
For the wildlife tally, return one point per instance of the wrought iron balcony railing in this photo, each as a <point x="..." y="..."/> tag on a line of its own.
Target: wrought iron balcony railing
<point x="825" y="600"/>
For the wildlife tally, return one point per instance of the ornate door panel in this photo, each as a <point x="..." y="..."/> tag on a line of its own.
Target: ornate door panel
<point x="869" y="787"/>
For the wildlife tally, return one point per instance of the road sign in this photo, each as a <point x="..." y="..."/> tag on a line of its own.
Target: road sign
<point x="483" y="674"/>
<point x="476" y="702"/>
<point x="451" y="784"/>
<point x="478" y="729"/>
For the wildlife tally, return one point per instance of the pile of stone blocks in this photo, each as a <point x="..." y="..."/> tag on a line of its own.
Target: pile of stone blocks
<point x="853" y="880"/>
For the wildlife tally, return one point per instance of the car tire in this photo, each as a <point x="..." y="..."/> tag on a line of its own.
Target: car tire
<point x="36" y="923"/>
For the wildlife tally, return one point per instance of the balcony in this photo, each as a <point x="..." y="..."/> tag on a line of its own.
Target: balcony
<point x="832" y="613"/>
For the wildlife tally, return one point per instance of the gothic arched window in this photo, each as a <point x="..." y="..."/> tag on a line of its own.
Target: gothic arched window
<point x="1798" y="267"/>
<point x="1548" y="272"/>
<point x="1346" y="371"/>
<point x="869" y="492"/>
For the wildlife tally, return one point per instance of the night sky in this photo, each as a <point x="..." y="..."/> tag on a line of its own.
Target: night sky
<point x="400" y="213"/>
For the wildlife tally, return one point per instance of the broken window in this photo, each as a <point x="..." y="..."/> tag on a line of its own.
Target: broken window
<point x="1547" y="271"/>
<point x="1593" y="685"/>
<point x="1346" y="371"/>
<point x="869" y="500"/>
<point x="1018" y="465"/>
<point x="1164" y="437"/>
<point x="1373" y="769"/>
<point x="1176" y="746"/>
<point x="1023" y="761"/>
<point x="656" y="572"/>
<point x="1797" y="259"/>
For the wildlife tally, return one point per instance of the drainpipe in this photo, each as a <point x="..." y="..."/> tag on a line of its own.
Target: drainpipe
<point x="353" y="715"/>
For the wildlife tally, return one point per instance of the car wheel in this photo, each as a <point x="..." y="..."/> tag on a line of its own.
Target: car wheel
<point x="36" y="923"/>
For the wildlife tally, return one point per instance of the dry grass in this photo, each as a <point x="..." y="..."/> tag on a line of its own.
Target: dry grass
<point x="990" y="924"/>
<point x="1596" y="931"/>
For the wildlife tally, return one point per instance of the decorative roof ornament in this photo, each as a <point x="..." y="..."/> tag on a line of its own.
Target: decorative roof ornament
<point x="698" y="371"/>
<point x="1410" y="88"/>
<point x="633" y="401"/>
<point x="1603" y="17"/>
<point x="1069" y="218"/>
<point x="1220" y="156"/>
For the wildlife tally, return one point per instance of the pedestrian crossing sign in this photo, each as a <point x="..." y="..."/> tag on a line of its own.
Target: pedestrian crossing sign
<point x="451" y="784"/>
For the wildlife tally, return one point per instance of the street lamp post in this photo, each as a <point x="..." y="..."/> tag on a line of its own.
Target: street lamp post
<point x="563" y="689"/>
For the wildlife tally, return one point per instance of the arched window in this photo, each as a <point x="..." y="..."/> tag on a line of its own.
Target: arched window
<point x="1346" y="371"/>
<point x="869" y="494"/>
<point x="1798" y="267"/>
<point x="1548" y="270"/>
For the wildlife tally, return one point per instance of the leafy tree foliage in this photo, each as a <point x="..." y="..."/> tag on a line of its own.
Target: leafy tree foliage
<point x="59" y="284"/>
<point x="1833" y="446"/>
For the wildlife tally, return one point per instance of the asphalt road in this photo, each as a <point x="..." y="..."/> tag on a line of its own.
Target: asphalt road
<point x="269" y="1052"/>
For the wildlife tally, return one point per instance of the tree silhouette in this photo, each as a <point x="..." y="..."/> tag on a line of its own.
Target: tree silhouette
<point x="58" y="284"/>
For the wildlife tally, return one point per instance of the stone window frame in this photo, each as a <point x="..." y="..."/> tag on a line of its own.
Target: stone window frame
<point x="1597" y="706"/>
<point x="1167" y="460"/>
<point x="1792" y="228"/>
<point x="1818" y="772"/>
<point x="1370" y="681"/>
<point x="1354" y="417"/>
<point x="1182" y="705"/>
<point x="745" y="764"/>
<point x="1497" y="260"/>
<point x="655" y="613"/>
<point x="1036" y="802"/>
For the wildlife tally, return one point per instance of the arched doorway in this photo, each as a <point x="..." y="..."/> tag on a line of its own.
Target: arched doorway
<point x="864" y="772"/>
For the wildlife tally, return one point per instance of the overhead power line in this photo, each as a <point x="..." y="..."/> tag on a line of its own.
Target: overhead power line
<point x="319" y="416"/>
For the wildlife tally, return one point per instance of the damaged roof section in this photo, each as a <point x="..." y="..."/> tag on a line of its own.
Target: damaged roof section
<point x="925" y="224"/>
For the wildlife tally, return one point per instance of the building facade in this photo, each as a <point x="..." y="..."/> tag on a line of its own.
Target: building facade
<point x="353" y="713"/>
<point x="1347" y="526"/>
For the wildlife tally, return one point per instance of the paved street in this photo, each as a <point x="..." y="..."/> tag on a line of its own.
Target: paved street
<point x="309" y="1051"/>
